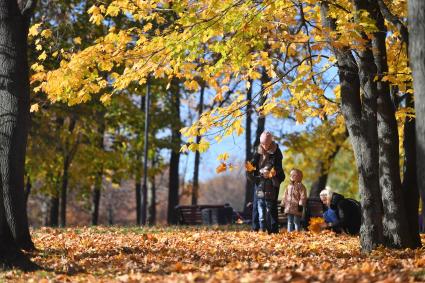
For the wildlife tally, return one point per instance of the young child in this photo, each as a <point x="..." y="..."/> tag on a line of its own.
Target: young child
<point x="294" y="200"/>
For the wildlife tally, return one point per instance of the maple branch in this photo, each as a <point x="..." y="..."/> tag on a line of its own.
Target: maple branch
<point x="389" y="16"/>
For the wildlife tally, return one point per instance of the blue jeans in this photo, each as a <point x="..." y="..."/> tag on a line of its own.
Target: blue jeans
<point x="266" y="215"/>
<point x="294" y="220"/>
<point x="255" y="223"/>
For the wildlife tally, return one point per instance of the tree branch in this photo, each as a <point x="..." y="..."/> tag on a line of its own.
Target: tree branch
<point x="394" y="20"/>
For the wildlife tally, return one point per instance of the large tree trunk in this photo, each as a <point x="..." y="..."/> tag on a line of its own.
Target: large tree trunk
<point x="195" y="188"/>
<point x="249" y="186"/>
<point x="361" y="123"/>
<point x="395" y="226"/>
<point x="173" y="187"/>
<point x="14" y="122"/>
<point x="417" y="64"/>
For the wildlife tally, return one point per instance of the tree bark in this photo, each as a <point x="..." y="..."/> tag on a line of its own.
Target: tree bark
<point x="249" y="186"/>
<point x="173" y="187"/>
<point x="195" y="188"/>
<point x="395" y="226"/>
<point x="323" y="168"/>
<point x="410" y="184"/>
<point x="97" y="188"/>
<point x="417" y="64"/>
<point x="138" y="200"/>
<point x="14" y="123"/>
<point x="261" y="121"/>
<point x="54" y="211"/>
<point x="152" y="202"/>
<point x="361" y="123"/>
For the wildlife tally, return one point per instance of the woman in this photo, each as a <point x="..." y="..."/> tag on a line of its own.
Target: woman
<point x="347" y="211"/>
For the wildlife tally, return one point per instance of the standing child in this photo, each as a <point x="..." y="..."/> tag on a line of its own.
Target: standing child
<point x="294" y="200"/>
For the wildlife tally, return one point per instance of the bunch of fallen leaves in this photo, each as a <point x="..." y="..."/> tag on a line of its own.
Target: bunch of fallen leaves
<point x="211" y="254"/>
<point x="315" y="224"/>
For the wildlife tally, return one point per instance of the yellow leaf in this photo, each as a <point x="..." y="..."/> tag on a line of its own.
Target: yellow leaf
<point x="33" y="31"/>
<point x="34" y="108"/>
<point x="42" y="56"/>
<point x="249" y="167"/>
<point x="221" y="168"/>
<point x="46" y="33"/>
<point x="77" y="40"/>
<point x="223" y="157"/>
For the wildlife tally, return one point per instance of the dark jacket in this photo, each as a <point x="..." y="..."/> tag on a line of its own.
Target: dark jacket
<point x="273" y="160"/>
<point x="348" y="214"/>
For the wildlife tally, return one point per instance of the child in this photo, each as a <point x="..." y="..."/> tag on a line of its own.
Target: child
<point x="294" y="200"/>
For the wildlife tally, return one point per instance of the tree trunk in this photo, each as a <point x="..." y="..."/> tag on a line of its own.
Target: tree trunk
<point x="14" y="124"/>
<point x="323" y="168"/>
<point x="97" y="189"/>
<point x="138" y="200"/>
<point x="144" y="211"/>
<point x="63" y="194"/>
<point x="361" y="123"/>
<point x="54" y="211"/>
<point x="195" y="188"/>
<point x="261" y="122"/>
<point x="395" y="226"/>
<point x="417" y="64"/>
<point x="173" y="187"/>
<point x="152" y="202"/>
<point x="28" y="187"/>
<point x="410" y="184"/>
<point x="249" y="187"/>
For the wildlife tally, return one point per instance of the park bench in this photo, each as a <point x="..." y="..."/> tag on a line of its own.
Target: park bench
<point x="204" y="214"/>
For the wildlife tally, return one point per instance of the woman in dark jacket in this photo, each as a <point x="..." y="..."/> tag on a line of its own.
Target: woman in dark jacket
<point x="348" y="214"/>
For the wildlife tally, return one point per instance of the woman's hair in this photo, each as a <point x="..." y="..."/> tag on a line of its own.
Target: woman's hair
<point x="326" y="192"/>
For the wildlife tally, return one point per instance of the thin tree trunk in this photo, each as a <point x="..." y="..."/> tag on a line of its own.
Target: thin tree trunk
<point x="395" y="226"/>
<point x="261" y="121"/>
<point x="195" y="189"/>
<point x="28" y="187"/>
<point x="138" y="175"/>
<point x="152" y="202"/>
<point x="173" y="189"/>
<point x="417" y="64"/>
<point x="54" y="211"/>
<point x="97" y="189"/>
<point x="144" y="211"/>
<point x="138" y="199"/>
<point x="323" y="168"/>
<point x="249" y="187"/>
<point x="63" y="194"/>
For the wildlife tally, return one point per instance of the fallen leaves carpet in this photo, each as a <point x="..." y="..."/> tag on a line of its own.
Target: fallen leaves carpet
<point x="211" y="254"/>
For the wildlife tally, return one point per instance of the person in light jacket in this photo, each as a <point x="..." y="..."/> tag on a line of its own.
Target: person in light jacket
<point x="294" y="200"/>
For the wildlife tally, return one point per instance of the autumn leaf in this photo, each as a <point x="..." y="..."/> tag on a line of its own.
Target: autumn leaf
<point x="249" y="167"/>
<point x="221" y="168"/>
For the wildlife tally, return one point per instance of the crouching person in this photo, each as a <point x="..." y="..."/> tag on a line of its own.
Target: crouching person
<point x="294" y="200"/>
<point x="347" y="212"/>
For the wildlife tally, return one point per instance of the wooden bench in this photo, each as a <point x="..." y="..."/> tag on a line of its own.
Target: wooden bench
<point x="192" y="214"/>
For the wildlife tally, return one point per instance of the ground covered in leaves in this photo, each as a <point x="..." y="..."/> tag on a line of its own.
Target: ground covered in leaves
<point x="211" y="254"/>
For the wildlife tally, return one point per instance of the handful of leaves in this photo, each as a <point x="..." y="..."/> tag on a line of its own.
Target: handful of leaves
<point x="315" y="224"/>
